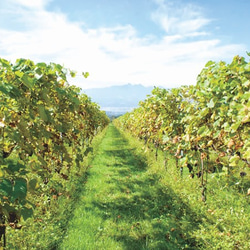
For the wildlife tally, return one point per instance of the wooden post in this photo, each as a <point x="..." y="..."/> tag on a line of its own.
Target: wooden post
<point x="203" y="185"/>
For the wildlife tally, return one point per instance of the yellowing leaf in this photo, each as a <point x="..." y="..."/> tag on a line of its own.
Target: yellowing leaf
<point x="233" y="161"/>
<point x="246" y="119"/>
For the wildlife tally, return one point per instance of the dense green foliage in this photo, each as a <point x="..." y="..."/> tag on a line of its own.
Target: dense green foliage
<point x="209" y="121"/>
<point x="134" y="200"/>
<point x="130" y="201"/>
<point x="205" y="128"/>
<point x="46" y="125"/>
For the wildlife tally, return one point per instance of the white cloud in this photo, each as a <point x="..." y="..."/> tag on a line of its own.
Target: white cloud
<point x="115" y="55"/>
<point x="183" y="19"/>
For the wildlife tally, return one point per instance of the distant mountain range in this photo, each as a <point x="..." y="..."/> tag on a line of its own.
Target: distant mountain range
<point x="119" y="99"/>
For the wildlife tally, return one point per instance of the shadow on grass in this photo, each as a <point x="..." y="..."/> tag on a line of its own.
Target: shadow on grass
<point x="145" y="214"/>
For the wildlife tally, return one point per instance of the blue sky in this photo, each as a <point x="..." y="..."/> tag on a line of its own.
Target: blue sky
<point x="150" y="42"/>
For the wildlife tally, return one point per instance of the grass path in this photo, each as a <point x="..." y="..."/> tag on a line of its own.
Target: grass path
<point x="123" y="205"/>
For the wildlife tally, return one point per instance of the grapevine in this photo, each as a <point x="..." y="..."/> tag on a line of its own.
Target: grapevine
<point x="45" y="124"/>
<point x="206" y="126"/>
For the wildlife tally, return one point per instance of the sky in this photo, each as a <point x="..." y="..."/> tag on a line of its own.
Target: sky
<point x="150" y="42"/>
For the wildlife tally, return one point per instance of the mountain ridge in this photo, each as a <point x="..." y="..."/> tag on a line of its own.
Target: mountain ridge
<point x="119" y="96"/>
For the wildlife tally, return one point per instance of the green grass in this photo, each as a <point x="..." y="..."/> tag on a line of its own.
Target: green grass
<point x="131" y="201"/>
<point x="122" y="198"/>
<point x="124" y="205"/>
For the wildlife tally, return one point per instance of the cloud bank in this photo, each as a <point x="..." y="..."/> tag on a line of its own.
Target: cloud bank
<point x="114" y="55"/>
